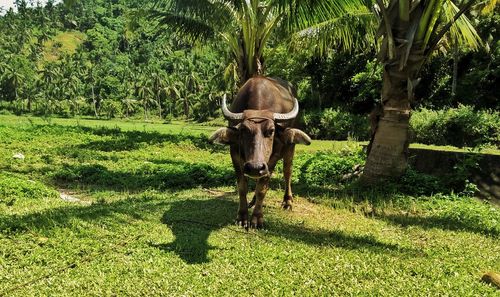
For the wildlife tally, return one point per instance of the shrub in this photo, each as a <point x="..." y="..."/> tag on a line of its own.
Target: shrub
<point x="462" y="126"/>
<point x="111" y="109"/>
<point x="5" y="112"/>
<point x="327" y="168"/>
<point x="336" y="124"/>
<point x="415" y="183"/>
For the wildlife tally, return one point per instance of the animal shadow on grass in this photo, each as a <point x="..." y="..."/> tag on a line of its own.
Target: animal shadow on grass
<point x="192" y="221"/>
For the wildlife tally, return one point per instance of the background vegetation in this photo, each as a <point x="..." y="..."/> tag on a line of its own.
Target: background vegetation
<point x="104" y="59"/>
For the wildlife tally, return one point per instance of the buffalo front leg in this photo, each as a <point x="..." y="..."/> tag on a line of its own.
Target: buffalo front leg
<point x="260" y="192"/>
<point x="287" y="173"/>
<point x="242" y="217"/>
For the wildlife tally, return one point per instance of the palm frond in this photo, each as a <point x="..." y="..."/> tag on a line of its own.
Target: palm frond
<point x="302" y="14"/>
<point x="217" y="14"/>
<point x="189" y="27"/>
<point x="462" y="29"/>
<point x="348" y="32"/>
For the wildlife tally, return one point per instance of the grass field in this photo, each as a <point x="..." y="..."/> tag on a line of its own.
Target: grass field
<point x="149" y="209"/>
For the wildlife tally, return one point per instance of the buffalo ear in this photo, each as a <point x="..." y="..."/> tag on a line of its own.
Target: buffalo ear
<point x="227" y="135"/>
<point x="291" y="135"/>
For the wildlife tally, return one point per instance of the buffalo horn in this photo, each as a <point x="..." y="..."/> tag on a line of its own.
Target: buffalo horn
<point x="229" y="114"/>
<point x="290" y="115"/>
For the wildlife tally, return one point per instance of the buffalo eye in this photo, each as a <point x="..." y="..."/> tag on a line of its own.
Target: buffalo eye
<point x="269" y="133"/>
<point x="243" y="128"/>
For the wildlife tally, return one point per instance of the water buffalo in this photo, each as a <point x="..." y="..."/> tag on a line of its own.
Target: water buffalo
<point x="260" y="133"/>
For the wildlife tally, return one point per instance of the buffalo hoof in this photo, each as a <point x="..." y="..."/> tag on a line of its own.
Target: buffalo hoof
<point x="257" y="221"/>
<point x="242" y="219"/>
<point x="287" y="203"/>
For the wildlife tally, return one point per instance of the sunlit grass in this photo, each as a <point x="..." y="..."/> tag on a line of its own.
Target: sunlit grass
<point x="153" y="214"/>
<point x="62" y="43"/>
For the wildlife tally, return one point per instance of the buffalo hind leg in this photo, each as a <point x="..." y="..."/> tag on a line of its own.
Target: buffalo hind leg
<point x="260" y="192"/>
<point x="287" y="173"/>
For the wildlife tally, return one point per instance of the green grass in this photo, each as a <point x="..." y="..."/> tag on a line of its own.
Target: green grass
<point x="69" y="42"/>
<point x="155" y="212"/>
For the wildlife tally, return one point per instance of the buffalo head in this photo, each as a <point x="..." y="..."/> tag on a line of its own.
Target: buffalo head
<point x="256" y="134"/>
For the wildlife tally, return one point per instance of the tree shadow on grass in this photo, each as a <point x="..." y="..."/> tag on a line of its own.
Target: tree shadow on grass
<point x="192" y="222"/>
<point x="132" y="140"/>
<point x="118" y="140"/>
<point x="64" y="217"/>
<point x="167" y="174"/>
<point x="444" y="222"/>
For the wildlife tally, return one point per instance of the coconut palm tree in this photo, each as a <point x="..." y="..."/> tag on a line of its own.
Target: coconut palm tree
<point x="144" y="92"/>
<point x="246" y="26"/>
<point x="410" y="30"/>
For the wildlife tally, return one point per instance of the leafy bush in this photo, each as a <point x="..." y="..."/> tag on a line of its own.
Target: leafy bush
<point x="336" y="124"/>
<point x="415" y="183"/>
<point x="462" y="126"/>
<point x="112" y="109"/>
<point x="5" y="112"/>
<point x="327" y="168"/>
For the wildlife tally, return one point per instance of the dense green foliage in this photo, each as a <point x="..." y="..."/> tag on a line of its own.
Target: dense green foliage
<point x="88" y="60"/>
<point x="336" y="124"/>
<point x="105" y="59"/>
<point x="462" y="126"/>
<point x="129" y="230"/>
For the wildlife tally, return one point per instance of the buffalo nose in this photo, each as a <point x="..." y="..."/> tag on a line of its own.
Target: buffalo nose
<point x="255" y="169"/>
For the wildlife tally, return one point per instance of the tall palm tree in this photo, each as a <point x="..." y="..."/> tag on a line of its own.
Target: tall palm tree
<point x="15" y="77"/>
<point x="246" y="26"/>
<point x="144" y="93"/>
<point x="411" y="31"/>
<point x="172" y="91"/>
<point x="158" y="84"/>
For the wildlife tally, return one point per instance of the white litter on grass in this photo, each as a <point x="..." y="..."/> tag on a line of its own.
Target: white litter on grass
<point x="69" y="198"/>
<point x="18" y="156"/>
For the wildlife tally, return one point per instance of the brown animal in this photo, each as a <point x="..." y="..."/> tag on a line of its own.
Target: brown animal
<point x="259" y="135"/>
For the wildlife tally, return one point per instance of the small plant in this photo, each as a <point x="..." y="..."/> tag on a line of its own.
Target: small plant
<point x="328" y="169"/>
<point x="13" y="188"/>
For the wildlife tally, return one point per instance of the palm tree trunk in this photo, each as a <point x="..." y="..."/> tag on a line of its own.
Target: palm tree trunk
<point x="94" y="102"/>
<point x="159" y="107"/>
<point x="388" y="148"/>
<point x="186" y="107"/>
<point x="15" y="98"/>
<point x="455" y="69"/>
